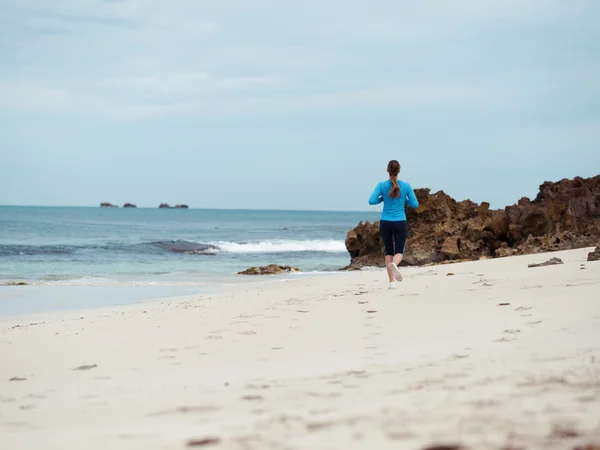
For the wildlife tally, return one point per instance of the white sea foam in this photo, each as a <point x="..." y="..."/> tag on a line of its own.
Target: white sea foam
<point x="282" y="246"/>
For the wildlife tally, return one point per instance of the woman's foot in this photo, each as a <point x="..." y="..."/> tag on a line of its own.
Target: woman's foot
<point x="392" y="285"/>
<point x="395" y="271"/>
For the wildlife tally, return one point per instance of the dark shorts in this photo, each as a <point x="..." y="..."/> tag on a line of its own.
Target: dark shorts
<point x="393" y="235"/>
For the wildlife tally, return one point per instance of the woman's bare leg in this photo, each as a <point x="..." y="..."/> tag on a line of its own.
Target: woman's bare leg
<point x="388" y="260"/>
<point x="397" y="259"/>
<point x="392" y="267"/>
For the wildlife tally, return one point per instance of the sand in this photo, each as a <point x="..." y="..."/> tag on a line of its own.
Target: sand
<point x="497" y="355"/>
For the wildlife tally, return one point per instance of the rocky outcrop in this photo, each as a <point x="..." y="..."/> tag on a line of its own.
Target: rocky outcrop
<point x="550" y="262"/>
<point x="129" y="205"/>
<point x="108" y="205"/>
<point x="272" y="269"/>
<point x="595" y="255"/>
<point x="167" y="206"/>
<point x="564" y="215"/>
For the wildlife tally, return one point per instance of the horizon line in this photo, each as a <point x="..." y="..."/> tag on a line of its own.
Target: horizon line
<point x="194" y="208"/>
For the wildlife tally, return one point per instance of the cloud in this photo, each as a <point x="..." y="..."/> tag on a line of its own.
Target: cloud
<point x="139" y="59"/>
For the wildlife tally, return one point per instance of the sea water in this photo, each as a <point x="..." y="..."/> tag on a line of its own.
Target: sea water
<point x="151" y="252"/>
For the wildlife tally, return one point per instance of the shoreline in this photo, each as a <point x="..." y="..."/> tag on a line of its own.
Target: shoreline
<point x="34" y="298"/>
<point x="142" y="292"/>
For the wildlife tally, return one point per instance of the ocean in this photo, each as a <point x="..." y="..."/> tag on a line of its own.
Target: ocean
<point x="150" y="252"/>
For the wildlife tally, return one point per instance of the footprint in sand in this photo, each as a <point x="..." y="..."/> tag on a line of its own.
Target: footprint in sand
<point x="213" y="337"/>
<point x="248" y="332"/>
<point x="204" y="442"/>
<point x="317" y="426"/>
<point x="252" y="398"/>
<point x="511" y="331"/>
<point x="93" y="366"/>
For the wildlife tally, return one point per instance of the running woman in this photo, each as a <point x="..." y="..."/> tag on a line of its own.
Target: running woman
<point x="394" y="194"/>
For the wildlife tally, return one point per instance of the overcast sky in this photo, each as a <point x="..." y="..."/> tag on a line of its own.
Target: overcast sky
<point x="293" y="104"/>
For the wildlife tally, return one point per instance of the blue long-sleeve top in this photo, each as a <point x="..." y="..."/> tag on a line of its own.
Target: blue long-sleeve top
<point x="393" y="208"/>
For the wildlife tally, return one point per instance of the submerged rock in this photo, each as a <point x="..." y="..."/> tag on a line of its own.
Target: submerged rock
<point x="271" y="269"/>
<point x="564" y="215"/>
<point x="191" y="248"/>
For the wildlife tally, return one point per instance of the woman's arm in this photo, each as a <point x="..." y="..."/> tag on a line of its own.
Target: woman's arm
<point x="411" y="198"/>
<point x="376" y="197"/>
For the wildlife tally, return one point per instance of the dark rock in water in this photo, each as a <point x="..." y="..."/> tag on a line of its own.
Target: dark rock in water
<point x="167" y="206"/>
<point x="107" y="205"/>
<point x="550" y="262"/>
<point x="271" y="269"/>
<point x="595" y="255"/>
<point x="15" y="283"/>
<point x="564" y="215"/>
<point x="129" y="205"/>
<point x="191" y="248"/>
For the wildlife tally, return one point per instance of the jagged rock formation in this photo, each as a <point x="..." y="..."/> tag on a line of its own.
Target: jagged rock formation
<point x="564" y="215"/>
<point x="271" y="269"/>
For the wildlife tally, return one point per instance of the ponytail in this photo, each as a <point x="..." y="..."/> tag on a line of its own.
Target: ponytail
<point x="393" y="170"/>
<point x="395" y="191"/>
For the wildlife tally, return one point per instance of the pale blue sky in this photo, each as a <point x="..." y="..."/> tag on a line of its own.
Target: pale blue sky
<point x="293" y="104"/>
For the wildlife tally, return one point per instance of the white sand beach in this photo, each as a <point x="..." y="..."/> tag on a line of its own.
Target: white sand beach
<point x="496" y="356"/>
